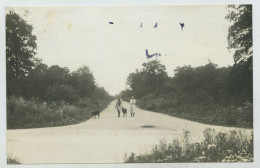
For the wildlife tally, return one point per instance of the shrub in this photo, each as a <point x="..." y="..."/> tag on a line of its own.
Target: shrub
<point x="228" y="115"/>
<point x="235" y="146"/>
<point x="12" y="160"/>
<point x="33" y="113"/>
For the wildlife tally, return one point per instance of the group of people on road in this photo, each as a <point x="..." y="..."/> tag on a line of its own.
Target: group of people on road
<point x="119" y="106"/>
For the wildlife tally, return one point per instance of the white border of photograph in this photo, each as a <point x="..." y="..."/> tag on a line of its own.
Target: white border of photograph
<point x="39" y="3"/>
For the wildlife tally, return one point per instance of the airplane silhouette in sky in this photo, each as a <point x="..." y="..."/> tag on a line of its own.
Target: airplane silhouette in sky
<point x="150" y="56"/>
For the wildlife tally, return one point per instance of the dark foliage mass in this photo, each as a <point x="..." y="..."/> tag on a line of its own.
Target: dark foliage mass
<point x="240" y="32"/>
<point x="208" y="94"/>
<point x="39" y="95"/>
<point x="20" y="46"/>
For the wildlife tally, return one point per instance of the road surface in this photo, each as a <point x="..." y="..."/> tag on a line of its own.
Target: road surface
<point x="104" y="140"/>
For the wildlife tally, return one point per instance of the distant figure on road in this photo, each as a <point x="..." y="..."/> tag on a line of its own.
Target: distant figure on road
<point x="119" y="106"/>
<point x="132" y="106"/>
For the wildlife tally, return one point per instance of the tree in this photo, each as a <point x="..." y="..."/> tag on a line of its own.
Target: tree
<point x="240" y="39"/>
<point x="57" y="75"/>
<point x="83" y="80"/>
<point x="20" y="46"/>
<point x="148" y="80"/>
<point x="35" y="84"/>
<point x="240" y="32"/>
<point x="241" y="82"/>
<point x="154" y="75"/>
<point x="137" y="83"/>
<point x="62" y="92"/>
<point x="184" y="77"/>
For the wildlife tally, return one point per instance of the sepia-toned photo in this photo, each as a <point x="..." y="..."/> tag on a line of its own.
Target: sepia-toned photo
<point x="129" y="84"/>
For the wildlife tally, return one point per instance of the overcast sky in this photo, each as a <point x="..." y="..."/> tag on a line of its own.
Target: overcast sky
<point x="75" y="36"/>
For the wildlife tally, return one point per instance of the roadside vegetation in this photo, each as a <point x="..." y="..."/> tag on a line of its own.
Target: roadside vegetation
<point x="39" y="95"/>
<point x="215" y="147"/>
<point x="12" y="160"/>
<point x="207" y="94"/>
<point x="34" y="113"/>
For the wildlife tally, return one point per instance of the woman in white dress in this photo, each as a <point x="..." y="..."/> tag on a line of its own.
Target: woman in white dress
<point x="132" y="106"/>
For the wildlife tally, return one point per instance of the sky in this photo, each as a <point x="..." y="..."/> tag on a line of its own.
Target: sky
<point x="76" y="36"/>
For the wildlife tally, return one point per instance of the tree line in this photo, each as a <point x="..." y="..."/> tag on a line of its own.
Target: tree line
<point x="38" y="93"/>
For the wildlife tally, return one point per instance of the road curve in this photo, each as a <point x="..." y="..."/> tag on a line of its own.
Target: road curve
<point x="104" y="140"/>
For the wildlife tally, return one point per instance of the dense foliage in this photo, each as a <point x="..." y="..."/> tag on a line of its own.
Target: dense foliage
<point x="35" y="113"/>
<point x="208" y="94"/>
<point x="235" y="146"/>
<point x="20" y="46"/>
<point x="39" y="95"/>
<point x="240" y="32"/>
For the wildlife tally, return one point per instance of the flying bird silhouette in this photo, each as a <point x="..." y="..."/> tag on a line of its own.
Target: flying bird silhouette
<point x="110" y="22"/>
<point x="182" y="25"/>
<point x="150" y="56"/>
<point x="155" y="26"/>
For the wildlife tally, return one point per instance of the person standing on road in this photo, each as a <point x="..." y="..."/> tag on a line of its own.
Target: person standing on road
<point x="119" y="106"/>
<point x="132" y="106"/>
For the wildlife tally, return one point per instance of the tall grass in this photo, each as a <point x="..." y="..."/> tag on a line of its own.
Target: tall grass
<point x="235" y="146"/>
<point x="34" y="113"/>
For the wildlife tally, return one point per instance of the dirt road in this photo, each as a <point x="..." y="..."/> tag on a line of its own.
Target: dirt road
<point x="104" y="140"/>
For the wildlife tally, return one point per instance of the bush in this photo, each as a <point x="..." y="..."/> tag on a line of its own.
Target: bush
<point x="33" y="113"/>
<point x="216" y="147"/>
<point x="12" y="160"/>
<point x="62" y="92"/>
<point x="227" y="115"/>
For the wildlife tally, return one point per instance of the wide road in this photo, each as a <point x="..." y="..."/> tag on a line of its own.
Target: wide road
<point x="104" y="140"/>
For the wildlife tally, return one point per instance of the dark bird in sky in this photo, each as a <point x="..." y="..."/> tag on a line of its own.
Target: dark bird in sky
<point x="141" y="24"/>
<point x="182" y="25"/>
<point x="150" y="56"/>
<point x="155" y="26"/>
<point x="110" y="22"/>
